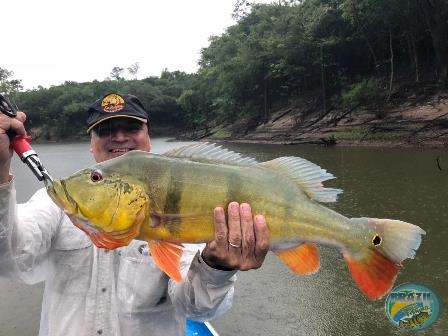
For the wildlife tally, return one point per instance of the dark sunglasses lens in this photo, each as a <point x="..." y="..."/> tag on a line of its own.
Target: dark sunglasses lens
<point x="132" y="127"/>
<point x="102" y="130"/>
<point x="107" y="129"/>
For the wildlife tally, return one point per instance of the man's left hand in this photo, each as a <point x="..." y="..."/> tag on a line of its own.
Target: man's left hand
<point x="241" y="242"/>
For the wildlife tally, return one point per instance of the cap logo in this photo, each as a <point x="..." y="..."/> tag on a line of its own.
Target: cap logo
<point x="112" y="103"/>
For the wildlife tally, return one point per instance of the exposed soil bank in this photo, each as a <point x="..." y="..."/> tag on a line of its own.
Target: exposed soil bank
<point x="412" y="120"/>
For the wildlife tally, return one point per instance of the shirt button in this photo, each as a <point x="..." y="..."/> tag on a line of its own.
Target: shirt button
<point x="99" y="332"/>
<point x="103" y="290"/>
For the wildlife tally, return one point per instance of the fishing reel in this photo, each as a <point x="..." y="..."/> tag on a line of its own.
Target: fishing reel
<point x="7" y="108"/>
<point x="21" y="145"/>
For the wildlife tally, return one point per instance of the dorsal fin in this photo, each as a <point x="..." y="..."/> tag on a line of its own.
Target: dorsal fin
<point x="307" y="175"/>
<point x="210" y="153"/>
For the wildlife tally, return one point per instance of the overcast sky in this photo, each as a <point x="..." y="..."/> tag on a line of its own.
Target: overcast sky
<point x="48" y="42"/>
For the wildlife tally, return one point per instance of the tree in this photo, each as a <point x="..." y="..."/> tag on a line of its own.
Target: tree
<point x="133" y="69"/>
<point x="116" y="73"/>
<point x="9" y="86"/>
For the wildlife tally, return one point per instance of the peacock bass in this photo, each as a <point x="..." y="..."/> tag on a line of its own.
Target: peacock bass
<point x="168" y="200"/>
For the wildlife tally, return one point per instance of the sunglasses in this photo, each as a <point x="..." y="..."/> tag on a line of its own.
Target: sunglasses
<point x="109" y="128"/>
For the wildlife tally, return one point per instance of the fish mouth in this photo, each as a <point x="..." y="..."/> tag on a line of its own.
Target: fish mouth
<point x="58" y="193"/>
<point x="69" y="199"/>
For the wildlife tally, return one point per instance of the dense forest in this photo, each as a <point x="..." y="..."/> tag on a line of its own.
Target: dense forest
<point x="332" y="53"/>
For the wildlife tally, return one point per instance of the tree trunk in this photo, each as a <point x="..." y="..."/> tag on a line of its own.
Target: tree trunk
<point x="322" y="80"/>
<point x="372" y="53"/>
<point x="415" y="54"/>
<point x="412" y="46"/>
<point x="391" y="60"/>
<point x="266" y="97"/>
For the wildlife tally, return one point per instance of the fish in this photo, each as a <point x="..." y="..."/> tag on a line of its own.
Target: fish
<point x="168" y="199"/>
<point x="414" y="321"/>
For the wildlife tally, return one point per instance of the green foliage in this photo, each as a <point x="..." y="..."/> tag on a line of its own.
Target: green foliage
<point x="367" y="92"/>
<point x="60" y="111"/>
<point x="7" y="85"/>
<point x="284" y="50"/>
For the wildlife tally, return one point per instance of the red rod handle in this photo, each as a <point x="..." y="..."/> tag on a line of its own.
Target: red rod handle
<point x="21" y="144"/>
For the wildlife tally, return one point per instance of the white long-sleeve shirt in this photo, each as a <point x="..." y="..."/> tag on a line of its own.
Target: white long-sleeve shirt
<point x="93" y="291"/>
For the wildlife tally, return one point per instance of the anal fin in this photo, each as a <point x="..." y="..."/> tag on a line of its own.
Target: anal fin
<point x="167" y="257"/>
<point x="303" y="259"/>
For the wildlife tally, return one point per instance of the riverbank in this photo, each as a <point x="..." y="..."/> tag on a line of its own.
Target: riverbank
<point x="416" y="117"/>
<point x="413" y="119"/>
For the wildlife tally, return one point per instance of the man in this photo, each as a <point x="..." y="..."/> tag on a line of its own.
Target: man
<point x="93" y="291"/>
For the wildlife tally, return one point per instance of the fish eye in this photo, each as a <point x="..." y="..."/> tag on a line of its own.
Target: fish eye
<point x="96" y="176"/>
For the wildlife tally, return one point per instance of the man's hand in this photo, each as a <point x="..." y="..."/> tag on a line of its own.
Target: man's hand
<point x="241" y="242"/>
<point x="16" y="125"/>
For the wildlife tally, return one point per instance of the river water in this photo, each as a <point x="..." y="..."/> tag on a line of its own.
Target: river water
<point x="406" y="184"/>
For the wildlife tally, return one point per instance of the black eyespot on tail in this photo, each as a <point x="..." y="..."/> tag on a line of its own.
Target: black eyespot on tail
<point x="376" y="240"/>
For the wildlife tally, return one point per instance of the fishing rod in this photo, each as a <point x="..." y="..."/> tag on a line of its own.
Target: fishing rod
<point x="21" y="145"/>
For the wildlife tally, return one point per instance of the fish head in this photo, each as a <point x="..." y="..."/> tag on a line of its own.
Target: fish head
<point x="103" y="203"/>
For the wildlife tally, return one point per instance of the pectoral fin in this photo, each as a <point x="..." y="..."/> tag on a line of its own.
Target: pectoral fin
<point x="167" y="257"/>
<point x="303" y="259"/>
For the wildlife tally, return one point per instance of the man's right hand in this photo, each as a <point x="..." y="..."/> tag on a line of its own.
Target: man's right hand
<point x="6" y="152"/>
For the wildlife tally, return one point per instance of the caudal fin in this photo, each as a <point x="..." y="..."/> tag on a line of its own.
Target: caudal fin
<point x="375" y="267"/>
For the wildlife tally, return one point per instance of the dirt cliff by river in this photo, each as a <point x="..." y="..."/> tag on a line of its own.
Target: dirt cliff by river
<point x="416" y="117"/>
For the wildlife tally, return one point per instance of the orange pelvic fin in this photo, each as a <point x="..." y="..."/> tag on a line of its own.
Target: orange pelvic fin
<point x="374" y="274"/>
<point x="167" y="257"/>
<point x="303" y="259"/>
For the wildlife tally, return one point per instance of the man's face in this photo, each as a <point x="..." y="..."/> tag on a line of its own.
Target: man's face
<point x="116" y="136"/>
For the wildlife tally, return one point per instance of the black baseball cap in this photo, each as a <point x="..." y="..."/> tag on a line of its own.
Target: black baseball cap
<point x="114" y="105"/>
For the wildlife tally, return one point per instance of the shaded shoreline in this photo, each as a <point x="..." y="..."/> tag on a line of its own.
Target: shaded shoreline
<point x="413" y="122"/>
<point x="343" y="143"/>
<point x="440" y="143"/>
<point x="313" y="141"/>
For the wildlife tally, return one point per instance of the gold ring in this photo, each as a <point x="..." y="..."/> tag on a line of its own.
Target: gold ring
<point x="233" y="245"/>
